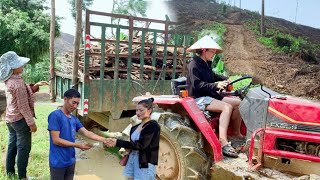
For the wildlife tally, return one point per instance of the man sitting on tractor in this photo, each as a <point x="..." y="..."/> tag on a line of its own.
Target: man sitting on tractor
<point x="204" y="85"/>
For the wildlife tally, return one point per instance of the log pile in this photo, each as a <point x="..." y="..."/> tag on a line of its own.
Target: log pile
<point x="65" y="62"/>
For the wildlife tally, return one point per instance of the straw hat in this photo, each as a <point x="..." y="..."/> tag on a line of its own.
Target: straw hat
<point x="205" y="42"/>
<point x="9" y="61"/>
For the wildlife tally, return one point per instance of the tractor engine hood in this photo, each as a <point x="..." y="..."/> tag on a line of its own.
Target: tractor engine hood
<point x="301" y="114"/>
<point x="254" y="108"/>
<point x="286" y="112"/>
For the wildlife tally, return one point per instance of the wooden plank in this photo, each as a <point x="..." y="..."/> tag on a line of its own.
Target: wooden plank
<point x="116" y="66"/>
<point x="102" y="65"/>
<point x="142" y="54"/>
<point x="154" y="54"/>
<point x="127" y="17"/>
<point x="175" y="57"/>
<point x="123" y="27"/>
<point x="186" y="44"/>
<point x="137" y="57"/>
<point x="129" y="61"/>
<point x="125" y="69"/>
<point x="135" y="42"/>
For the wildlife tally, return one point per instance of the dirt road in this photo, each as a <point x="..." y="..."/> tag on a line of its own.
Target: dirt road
<point x="97" y="164"/>
<point x="284" y="74"/>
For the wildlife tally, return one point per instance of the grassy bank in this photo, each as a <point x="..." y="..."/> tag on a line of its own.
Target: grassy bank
<point x="38" y="162"/>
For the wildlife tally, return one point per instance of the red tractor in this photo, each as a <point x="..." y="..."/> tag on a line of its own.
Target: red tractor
<point x="278" y="128"/>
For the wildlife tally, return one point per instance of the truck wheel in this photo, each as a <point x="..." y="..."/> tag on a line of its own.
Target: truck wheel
<point x="180" y="156"/>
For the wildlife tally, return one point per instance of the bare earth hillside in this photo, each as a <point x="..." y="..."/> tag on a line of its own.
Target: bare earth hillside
<point x="283" y="73"/>
<point x="289" y="75"/>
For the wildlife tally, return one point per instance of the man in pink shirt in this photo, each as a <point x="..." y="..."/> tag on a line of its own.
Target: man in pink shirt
<point x="19" y="112"/>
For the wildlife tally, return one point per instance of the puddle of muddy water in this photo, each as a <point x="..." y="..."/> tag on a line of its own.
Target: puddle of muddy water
<point x="97" y="164"/>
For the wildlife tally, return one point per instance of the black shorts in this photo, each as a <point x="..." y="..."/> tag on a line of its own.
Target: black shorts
<point x="66" y="173"/>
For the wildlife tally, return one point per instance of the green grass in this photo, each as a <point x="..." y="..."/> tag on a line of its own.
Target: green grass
<point x="44" y="89"/>
<point x="38" y="162"/>
<point x="271" y="36"/>
<point x="239" y="84"/>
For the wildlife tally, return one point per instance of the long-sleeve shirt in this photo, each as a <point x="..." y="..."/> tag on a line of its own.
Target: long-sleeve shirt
<point x="147" y="145"/>
<point x="20" y="102"/>
<point x="201" y="80"/>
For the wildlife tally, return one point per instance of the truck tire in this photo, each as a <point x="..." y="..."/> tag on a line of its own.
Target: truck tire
<point x="180" y="156"/>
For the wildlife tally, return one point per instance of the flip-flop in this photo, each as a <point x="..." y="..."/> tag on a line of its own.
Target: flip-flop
<point x="229" y="151"/>
<point x="237" y="142"/>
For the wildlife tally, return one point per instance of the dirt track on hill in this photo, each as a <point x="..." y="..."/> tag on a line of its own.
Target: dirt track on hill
<point x="284" y="74"/>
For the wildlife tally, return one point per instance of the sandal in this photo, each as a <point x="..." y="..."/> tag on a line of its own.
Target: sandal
<point x="229" y="151"/>
<point x="237" y="142"/>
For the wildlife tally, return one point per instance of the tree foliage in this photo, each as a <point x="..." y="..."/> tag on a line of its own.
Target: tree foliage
<point x="130" y="7"/>
<point x="85" y="4"/>
<point x="25" y="28"/>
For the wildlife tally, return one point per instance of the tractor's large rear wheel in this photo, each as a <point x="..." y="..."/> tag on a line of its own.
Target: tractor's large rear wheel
<point x="180" y="156"/>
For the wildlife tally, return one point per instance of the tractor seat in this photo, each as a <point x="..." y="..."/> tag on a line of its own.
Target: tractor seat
<point x="178" y="84"/>
<point x="181" y="84"/>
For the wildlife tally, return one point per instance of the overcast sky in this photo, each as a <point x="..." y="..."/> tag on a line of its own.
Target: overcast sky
<point x="307" y="13"/>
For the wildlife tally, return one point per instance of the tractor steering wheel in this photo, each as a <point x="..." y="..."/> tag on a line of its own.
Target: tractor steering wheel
<point x="238" y="92"/>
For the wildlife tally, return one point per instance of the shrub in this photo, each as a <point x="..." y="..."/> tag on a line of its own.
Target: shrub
<point x="276" y="40"/>
<point x="37" y="72"/>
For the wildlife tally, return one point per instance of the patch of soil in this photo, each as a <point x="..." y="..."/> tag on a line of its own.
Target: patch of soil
<point x="96" y="163"/>
<point x="282" y="73"/>
<point x="42" y="97"/>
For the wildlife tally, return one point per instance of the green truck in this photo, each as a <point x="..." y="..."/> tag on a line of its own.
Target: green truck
<point x="112" y="71"/>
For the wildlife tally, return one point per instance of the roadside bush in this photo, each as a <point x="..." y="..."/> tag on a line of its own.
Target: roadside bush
<point x="215" y="30"/>
<point x="276" y="40"/>
<point x="37" y="72"/>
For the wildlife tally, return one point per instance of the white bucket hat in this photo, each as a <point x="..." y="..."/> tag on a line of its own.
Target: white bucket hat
<point x="9" y="61"/>
<point x="205" y="42"/>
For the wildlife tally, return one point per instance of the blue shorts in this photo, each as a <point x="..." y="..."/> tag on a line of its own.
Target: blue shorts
<point x="132" y="169"/>
<point x="203" y="102"/>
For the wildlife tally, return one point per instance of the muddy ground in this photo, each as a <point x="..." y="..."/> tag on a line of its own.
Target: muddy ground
<point x="97" y="163"/>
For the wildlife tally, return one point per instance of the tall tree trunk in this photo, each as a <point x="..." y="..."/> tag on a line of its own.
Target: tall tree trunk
<point x="240" y="7"/>
<point x="77" y="43"/>
<point x="111" y="19"/>
<point x="295" y="17"/>
<point x="262" y="19"/>
<point x="52" y="35"/>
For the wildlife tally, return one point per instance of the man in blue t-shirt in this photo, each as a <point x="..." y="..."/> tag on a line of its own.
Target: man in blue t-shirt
<point x="62" y="126"/>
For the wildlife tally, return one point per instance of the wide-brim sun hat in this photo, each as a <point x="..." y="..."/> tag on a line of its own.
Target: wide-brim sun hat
<point x="5" y="71"/>
<point x="9" y="61"/>
<point x="205" y="42"/>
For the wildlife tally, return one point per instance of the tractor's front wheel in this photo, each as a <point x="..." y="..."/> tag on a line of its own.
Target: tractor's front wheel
<point x="180" y="156"/>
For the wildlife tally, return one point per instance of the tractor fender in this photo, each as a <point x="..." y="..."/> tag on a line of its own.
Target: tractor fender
<point x="203" y="125"/>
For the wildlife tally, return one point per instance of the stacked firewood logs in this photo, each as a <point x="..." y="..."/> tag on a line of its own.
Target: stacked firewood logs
<point x="151" y="68"/>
